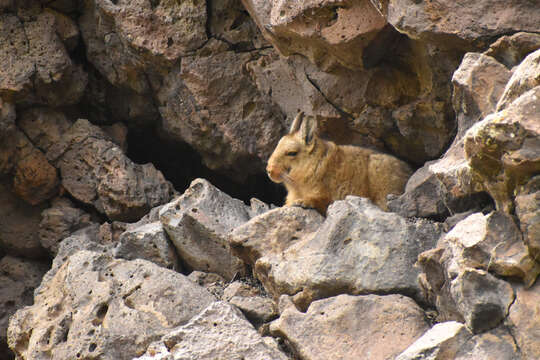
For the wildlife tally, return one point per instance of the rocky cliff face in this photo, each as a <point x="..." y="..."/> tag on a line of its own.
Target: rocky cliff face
<point x="113" y="246"/>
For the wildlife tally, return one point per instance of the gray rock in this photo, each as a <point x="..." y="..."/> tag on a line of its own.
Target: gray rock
<point x="257" y="309"/>
<point x="60" y="221"/>
<point x="197" y="224"/>
<point x="18" y="279"/>
<point x="358" y="249"/>
<point x="346" y="327"/>
<point x="96" y="306"/>
<point x="148" y="242"/>
<point x="495" y="344"/>
<point x="441" y="342"/>
<point x="220" y="331"/>
<point x="491" y="242"/>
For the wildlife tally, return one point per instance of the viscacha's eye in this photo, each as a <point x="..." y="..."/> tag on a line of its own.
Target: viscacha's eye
<point x="292" y="153"/>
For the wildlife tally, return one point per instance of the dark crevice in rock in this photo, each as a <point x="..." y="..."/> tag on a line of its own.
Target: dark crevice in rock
<point x="180" y="164"/>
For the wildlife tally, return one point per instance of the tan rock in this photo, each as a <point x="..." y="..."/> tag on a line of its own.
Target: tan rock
<point x="352" y="327"/>
<point x="528" y="212"/>
<point x="497" y="344"/>
<point x="524" y="78"/>
<point x="95" y="306"/>
<point x="510" y="50"/>
<point x="524" y="321"/>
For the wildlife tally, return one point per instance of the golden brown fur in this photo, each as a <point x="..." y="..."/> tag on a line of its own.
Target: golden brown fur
<point x="317" y="172"/>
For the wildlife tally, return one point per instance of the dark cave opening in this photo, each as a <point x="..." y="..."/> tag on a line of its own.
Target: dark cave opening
<point x="180" y="164"/>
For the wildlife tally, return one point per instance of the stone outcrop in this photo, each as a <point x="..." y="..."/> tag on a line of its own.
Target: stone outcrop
<point x="346" y="326"/>
<point x="197" y="224"/>
<point x="339" y="255"/>
<point x="97" y="306"/>
<point x="220" y="331"/>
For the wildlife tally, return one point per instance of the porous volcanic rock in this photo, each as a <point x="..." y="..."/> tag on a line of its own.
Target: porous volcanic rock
<point x="329" y="33"/>
<point x="346" y="326"/>
<point x="512" y="49"/>
<point x="35" y="65"/>
<point x="524" y="78"/>
<point x="95" y="306"/>
<point x="149" y="242"/>
<point x="95" y="171"/>
<point x="18" y="279"/>
<point x="504" y="149"/>
<point x="358" y="249"/>
<point x="197" y="224"/>
<point x="218" y="332"/>
<point x="60" y="221"/>
<point x="456" y="24"/>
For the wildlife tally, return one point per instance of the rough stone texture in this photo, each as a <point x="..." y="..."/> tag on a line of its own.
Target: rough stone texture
<point x="511" y="50"/>
<point x="95" y="171"/>
<point x="130" y="43"/>
<point x="462" y="293"/>
<point x="197" y="224"/>
<point x="329" y="33"/>
<point x="497" y="344"/>
<point x="214" y="283"/>
<point x="43" y="126"/>
<point x="401" y="106"/>
<point x="524" y="78"/>
<point x="212" y="104"/>
<point x="346" y="326"/>
<point x="443" y="187"/>
<point x="19" y="225"/>
<point x="36" y="68"/>
<point x="440" y="342"/>
<point x="273" y="232"/>
<point x="358" y="249"/>
<point x="528" y="212"/>
<point x="524" y="323"/>
<point x="460" y="23"/>
<point x="504" y="149"/>
<point x="220" y="331"/>
<point x="491" y="242"/>
<point x="95" y="306"/>
<point x="257" y="309"/>
<point x="148" y="242"/>
<point x="60" y="221"/>
<point x="18" y="278"/>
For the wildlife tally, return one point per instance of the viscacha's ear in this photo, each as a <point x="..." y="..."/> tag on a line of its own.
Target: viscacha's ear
<point x="297" y="122"/>
<point x="308" y="129"/>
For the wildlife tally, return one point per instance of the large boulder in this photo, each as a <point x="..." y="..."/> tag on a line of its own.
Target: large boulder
<point x="211" y="103"/>
<point x="95" y="306"/>
<point x="346" y="327"/>
<point x="95" y="171"/>
<point x="35" y="65"/>
<point x="524" y="78"/>
<point x="327" y="33"/>
<point x="459" y="24"/>
<point x="220" y="331"/>
<point x="198" y="223"/>
<point x="358" y="249"/>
